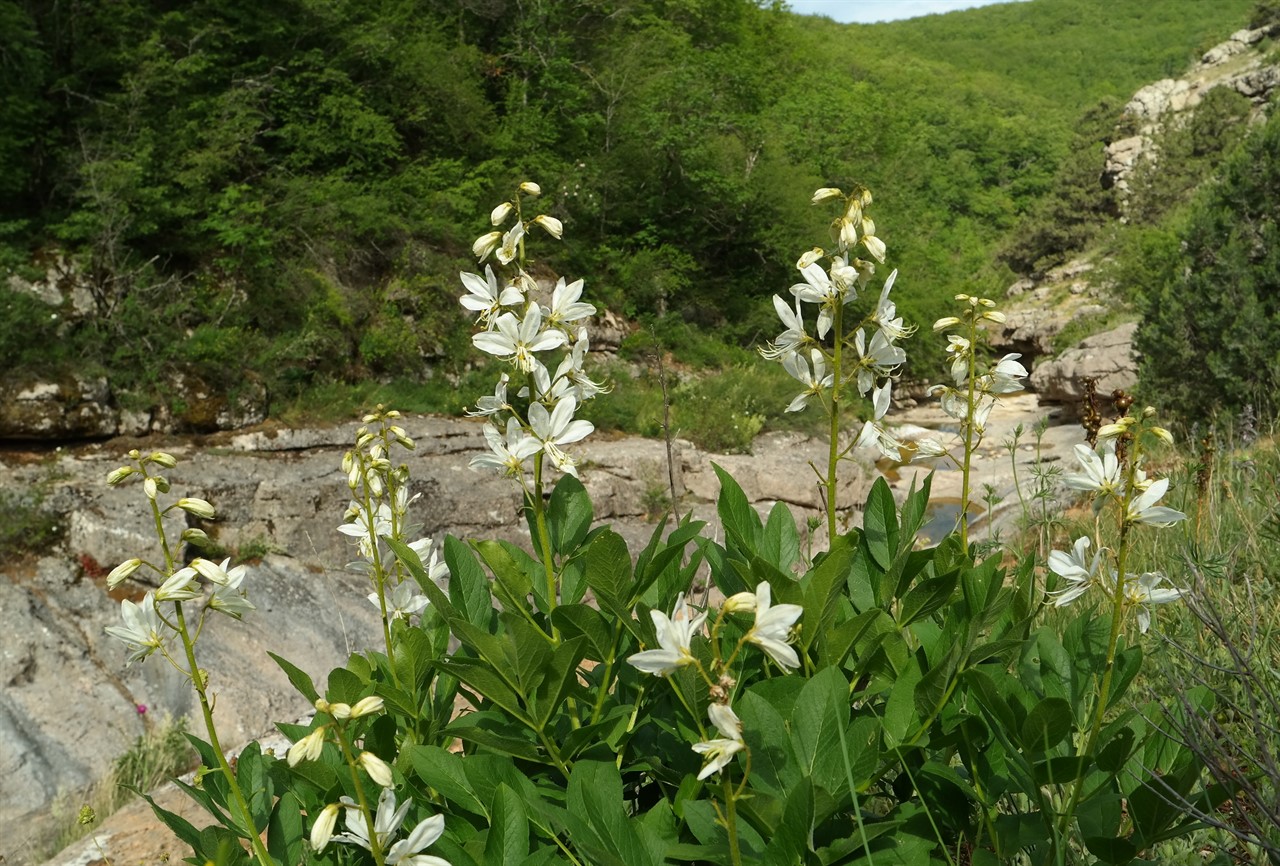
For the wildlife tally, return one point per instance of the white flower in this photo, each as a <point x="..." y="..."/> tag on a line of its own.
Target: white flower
<point x="220" y="573"/>
<point x="825" y="194"/>
<point x="960" y="349"/>
<point x="674" y="636"/>
<point x="720" y="751"/>
<point x="429" y="553"/>
<point x="1005" y="375"/>
<point x="1143" y="508"/>
<point x="530" y="188"/>
<point x="874" y="434"/>
<point x="510" y="247"/>
<point x="367" y="529"/>
<point x="507" y="456"/>
<point x="143" y="630"/>
<point x="494" y="403"/>
<point x="793" y="337"/>
<point x="367" y="706"/>
<point x="772" y="629"/>
<point x="558" y="427"/>
<point x="180" y="586"/>
<point x="815" y="382"/>
<point x="874" y="245"/>
<point x="565" y="307"/>
<point x="1101" y="469"/>
<point x="886" y="315"/>
<point x="1076" y="568"/>
<point x="880" y="358"/>
<point x="388" y="821"/>
<point x="518" y="340"/>
<point x="1143" y="591"/>
<point x="817" y="289"/>
<point x="572" y="375"/>
<point x="402" y="602"/>
<point x="484" y="296"/>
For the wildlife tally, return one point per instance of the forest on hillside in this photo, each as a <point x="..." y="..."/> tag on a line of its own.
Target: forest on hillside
<point x="289" y="190"/>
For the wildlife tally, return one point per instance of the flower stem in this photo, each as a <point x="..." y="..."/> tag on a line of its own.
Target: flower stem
<point x="375" y="844"/>
<point x="544" y="538"/>
<point x="969" y="429"/>
<point x="731" y="820"/>
<point x="833" y="449"/>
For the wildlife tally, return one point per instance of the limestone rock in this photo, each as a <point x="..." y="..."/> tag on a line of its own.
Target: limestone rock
<point x="71" y="407"/>
<point x="1108" y="357"/>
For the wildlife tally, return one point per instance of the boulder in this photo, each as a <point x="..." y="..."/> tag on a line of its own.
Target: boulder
<point x="1107" y="357"/>
<point x="70" y="407"/>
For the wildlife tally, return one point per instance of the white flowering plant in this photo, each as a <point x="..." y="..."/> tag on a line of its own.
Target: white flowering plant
<point x="718" y="700"/>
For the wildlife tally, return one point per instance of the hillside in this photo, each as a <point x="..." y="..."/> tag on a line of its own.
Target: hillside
<point x="285" y="198"/>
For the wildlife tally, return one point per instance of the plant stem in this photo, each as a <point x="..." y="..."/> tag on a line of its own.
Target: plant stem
<point x="969" y="424"/>
<point x="544" y="537"/>
<point x="198" y="681"/>
<point x="833" y="449"/>
<point x="375" y="844"/>
<point x="731" y="820"/>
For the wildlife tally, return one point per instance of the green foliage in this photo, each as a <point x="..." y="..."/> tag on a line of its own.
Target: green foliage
<point x="31" y="525"/>
<point x="294" y="164"/>
<point x="1209" y="338"/>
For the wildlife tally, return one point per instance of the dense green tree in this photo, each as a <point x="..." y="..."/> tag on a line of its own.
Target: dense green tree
<point x="1210" y="336"/>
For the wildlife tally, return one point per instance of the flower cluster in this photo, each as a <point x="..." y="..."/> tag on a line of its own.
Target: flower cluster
<point x="520" y="325"/>
<point x="147" y="627"/>
<point x="1136" y="497"/>
<point x="771" y="631"/>
<point x="831" y="280"/>
<point x="379" y="510"/>
<point x="973" y="394"/>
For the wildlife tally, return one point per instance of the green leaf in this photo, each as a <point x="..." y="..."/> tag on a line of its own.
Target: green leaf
<point x="508" y="840"/>
<point x="774" y="766"/>
<point x="576" y="620"/>
<point x="513" y="742"/>
<point x="821" y="712"/>
<point x="823" y="589"/>
<point x="561" y="675"/>
<point x="413" y="562"/>
<point x="1048" y="724"/>
<point x="914" y="509"/>
<point x="300" y="679"/>
<point x="900" y="716"/>
<point x="181" y="827"/>
<point x="595" y="794"/>
<point x="443" y="770"/>
<point x="926" y="597"/>
<point x="569" y="515"/>
<point x="779" y="542"/>
<point x="486" y="683"/>
<point x="791" y="839"/>
<point x="513" y="583"/>
<point x="1114" y="851"/>
<point x="609" y="573"/>
<point x="468" y="584"/>
<point x="1128" y="662"/>
<point x="741" y="522"/>
<point x="286" y="831"/>
<point x="880" y="524"/>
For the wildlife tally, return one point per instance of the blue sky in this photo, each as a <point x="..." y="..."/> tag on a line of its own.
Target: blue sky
<point x="869" y="11"/>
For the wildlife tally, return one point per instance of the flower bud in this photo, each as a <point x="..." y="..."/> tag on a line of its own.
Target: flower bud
<point x="322" y="829"/>
<point x="308" y="748"/>
<point x="168" y="461"/>
<point x="809" y="258"/>
<point x="339" y="711"/>
<point x="391" y="413"/>
<point x="486" y="244"/>
<point x="1163" y="435"/>
<point x="848" y="233"/>
<point x="945" y="322"/>
<point x="122" y="571"/>
<point x="179" y="586"/>
<point x="377" y="769"/>
<point x="115" y="476"/>
<point x="135" y="454"/>
<point x="366" y="706"/>
<point x="827" y="193"/>
<point x="530" y="188"/>
<point x="150" y="487"/>
<point x="744" y="602"/>
<point x="1110" y="431"/>
<point x="550" y="225"/>
<point x="994" y="316"/>
<point x="348" y="460"/>
<point x="500" y="213"/>
<point x="198" y="537"/>
<point x="1149" y="412"/>
<point x="198" y="507"/>
<point x="211" y="571"/>
<point x="875" y="246"/>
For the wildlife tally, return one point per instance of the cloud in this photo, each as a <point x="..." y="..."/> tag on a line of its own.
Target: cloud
<point x="870" y="11"/>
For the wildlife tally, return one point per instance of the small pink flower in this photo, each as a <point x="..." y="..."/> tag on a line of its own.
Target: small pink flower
<point x="142" y="709"/>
